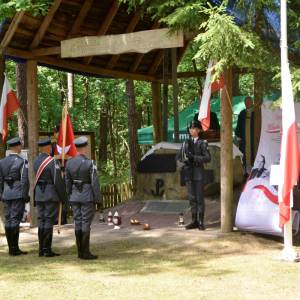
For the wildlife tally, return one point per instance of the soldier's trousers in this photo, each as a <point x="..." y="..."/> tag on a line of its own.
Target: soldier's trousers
<point x="14" y="210"/>
<point x="47" y="213"/>
<point x="196" y="195"/>
<point x="83" y="215"/>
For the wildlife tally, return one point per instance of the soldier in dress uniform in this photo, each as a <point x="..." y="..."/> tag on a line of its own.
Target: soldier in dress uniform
<point x="14" y="185"/>
<point x="83" y="186"/>
<point x="56" y="129"/>
<point x="193" y="153"/>
<point x="50" y="190"/>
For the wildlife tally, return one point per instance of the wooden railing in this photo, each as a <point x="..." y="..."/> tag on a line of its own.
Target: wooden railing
<point x="115" y="194"/>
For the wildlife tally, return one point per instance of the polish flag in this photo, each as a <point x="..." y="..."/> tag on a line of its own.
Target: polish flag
<point x="290" y="161"/>
<point x="209" y="88"/>
<point x="70" y="150"/>
<point x="9" y="104"/>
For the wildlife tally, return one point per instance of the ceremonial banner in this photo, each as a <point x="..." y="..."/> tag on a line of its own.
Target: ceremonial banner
<point x="258" y="207"/>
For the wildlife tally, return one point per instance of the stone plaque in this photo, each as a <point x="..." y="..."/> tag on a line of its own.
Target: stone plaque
<point x="157" y="163"/>
<point x="141" y="42"/>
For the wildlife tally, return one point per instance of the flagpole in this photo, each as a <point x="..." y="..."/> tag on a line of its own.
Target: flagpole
<point x="64" y="124"/>
<point x="23" y="116"/>
<point x="288" y="253"/>
<point x="229" y="102"/>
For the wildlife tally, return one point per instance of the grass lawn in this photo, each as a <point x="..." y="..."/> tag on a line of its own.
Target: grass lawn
<point x="237" y="266"/>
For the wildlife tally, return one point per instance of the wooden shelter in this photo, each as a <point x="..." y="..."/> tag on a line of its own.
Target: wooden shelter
<point x="36" y="40"/>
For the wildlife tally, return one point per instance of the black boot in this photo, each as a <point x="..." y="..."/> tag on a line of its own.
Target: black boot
<point x="64" y="218"/>
<point x="14" y="242"/>
<point x="47" y="243"/>
<point x="78" y="241"/>
<point x="85" y="246"/>
<point x="201" y="223"/>
<point x="41" y="241"/>
<point x="194" y="223"/>
<point x="7" y="234"/>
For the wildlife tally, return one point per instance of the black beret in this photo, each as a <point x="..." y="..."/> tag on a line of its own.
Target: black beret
<point x="56" y="128"/>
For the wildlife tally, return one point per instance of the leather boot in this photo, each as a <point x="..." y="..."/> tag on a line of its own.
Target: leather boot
<point x="41" y="240"/>
<point x="85" y="246"/>
<point x="194" y="223"/>
<point x="201" y="223"/>
<point x="47" y="243"/>
<point x="14" y="242"/>
<point x="7" y="234"/>
<point x="78" y="241"/>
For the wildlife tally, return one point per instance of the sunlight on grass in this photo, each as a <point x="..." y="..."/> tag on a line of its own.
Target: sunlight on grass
<point x="238" y="266"/>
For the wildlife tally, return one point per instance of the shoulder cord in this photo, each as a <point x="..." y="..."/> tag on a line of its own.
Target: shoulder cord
<point x="79" y="168"/>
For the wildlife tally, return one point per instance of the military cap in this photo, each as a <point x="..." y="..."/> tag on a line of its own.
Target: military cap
<point x="14" y="142"/>
<point x="81" y="142"/>
<point x="56" y="128"/>
<point x="44" y="142"/>
<point x="195" y="123"/>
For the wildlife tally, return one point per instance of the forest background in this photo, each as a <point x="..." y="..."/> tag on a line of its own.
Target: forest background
<point x="100" y="105"/>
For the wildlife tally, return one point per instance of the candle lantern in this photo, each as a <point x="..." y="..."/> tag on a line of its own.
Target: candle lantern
<point x="117" y="221"/>
<point x="110" y="219"/>
<point x="181" y="219"/>
<point x="101" y="217"/>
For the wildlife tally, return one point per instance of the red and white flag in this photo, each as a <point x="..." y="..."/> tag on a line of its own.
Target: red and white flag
<point x="9" y="104"/>
<point x="70" y="150"/>
<point x="290" y="160"/>
<point x="209" y="88"/>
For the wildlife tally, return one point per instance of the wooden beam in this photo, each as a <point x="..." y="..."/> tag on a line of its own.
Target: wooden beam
<point x="12" y="28"/>
<point x="71" y="65"/>
<point x="33" y="130"/>
<point x="129" y="29"/>
<point x="46" y="51"/>
<point x="226" y="155"/>
<point x="105" y="25"/>
<point x="156" y="112"/>
<point x="80" y="18"/>
<point x="156" y="62"/>
<point x="139" y="57"/>
<point x="45" y="24"/>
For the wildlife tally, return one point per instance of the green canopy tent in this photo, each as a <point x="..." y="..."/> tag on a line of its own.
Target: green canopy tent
<point x="145" y="135"/>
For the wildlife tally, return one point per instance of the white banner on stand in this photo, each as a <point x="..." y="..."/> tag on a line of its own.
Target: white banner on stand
<point x="258" y="207"/>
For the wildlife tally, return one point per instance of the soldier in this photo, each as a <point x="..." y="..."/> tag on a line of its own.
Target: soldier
<point x="83" y="185"/>
<point x="193" y="153"/>
<point x="56" y="132"/>
<point x="14" y="185"/>
<point x="50" y="190"/>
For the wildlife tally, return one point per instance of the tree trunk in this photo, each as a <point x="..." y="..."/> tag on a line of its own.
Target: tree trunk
<point x="112" y="139"/>
<point x="133" y="139"/>
<point x="103" y="133"/>
<point x="235" y="85"/>
<point x="2" y="145"/>
<point x="62" y="86"/>
<point x="139" y="117"/>
<point x="86" y="97"/>
<point x="71" y="101"/>
<point x="22" y="98"/>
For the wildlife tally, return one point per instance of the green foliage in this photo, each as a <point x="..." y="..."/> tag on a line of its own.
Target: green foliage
<point x="37" y="7"/>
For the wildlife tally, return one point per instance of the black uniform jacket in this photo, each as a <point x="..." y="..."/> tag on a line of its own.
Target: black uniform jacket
<point x="55" y="189"/>
<point x="16" y="167"/>
<point x="200" y="150"/>
<point x="85" y="169"/>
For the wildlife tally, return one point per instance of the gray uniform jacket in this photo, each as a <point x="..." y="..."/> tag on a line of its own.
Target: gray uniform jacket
<point x="16" y="167"/>
<point x="55" y="189"/>
<point x="200" y="150"/>
<point x="85" y="169"/>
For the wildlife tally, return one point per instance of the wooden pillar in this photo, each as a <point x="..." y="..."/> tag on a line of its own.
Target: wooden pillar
<point x="2" y="145"/>
<point x="33" y="130"/>
<point x="175" y="95"/>
<point x="226" y="155"/>
<point x="165" y="94"/>
<point x="156" y="112"/>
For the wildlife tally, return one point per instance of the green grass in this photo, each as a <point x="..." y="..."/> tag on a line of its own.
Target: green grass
<point x="238" y="266"/>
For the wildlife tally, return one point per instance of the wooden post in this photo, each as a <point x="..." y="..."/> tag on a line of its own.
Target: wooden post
<point x="175" y="95"/>
<point x="115" y="194"/>
<point x="2" y="145"/>
<point x="156" y="112"/>
<point x="33" y="130"/>
<point x="226" y="156"/>
<point x="165" y="95"/>
<point x="126" y="191"/>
